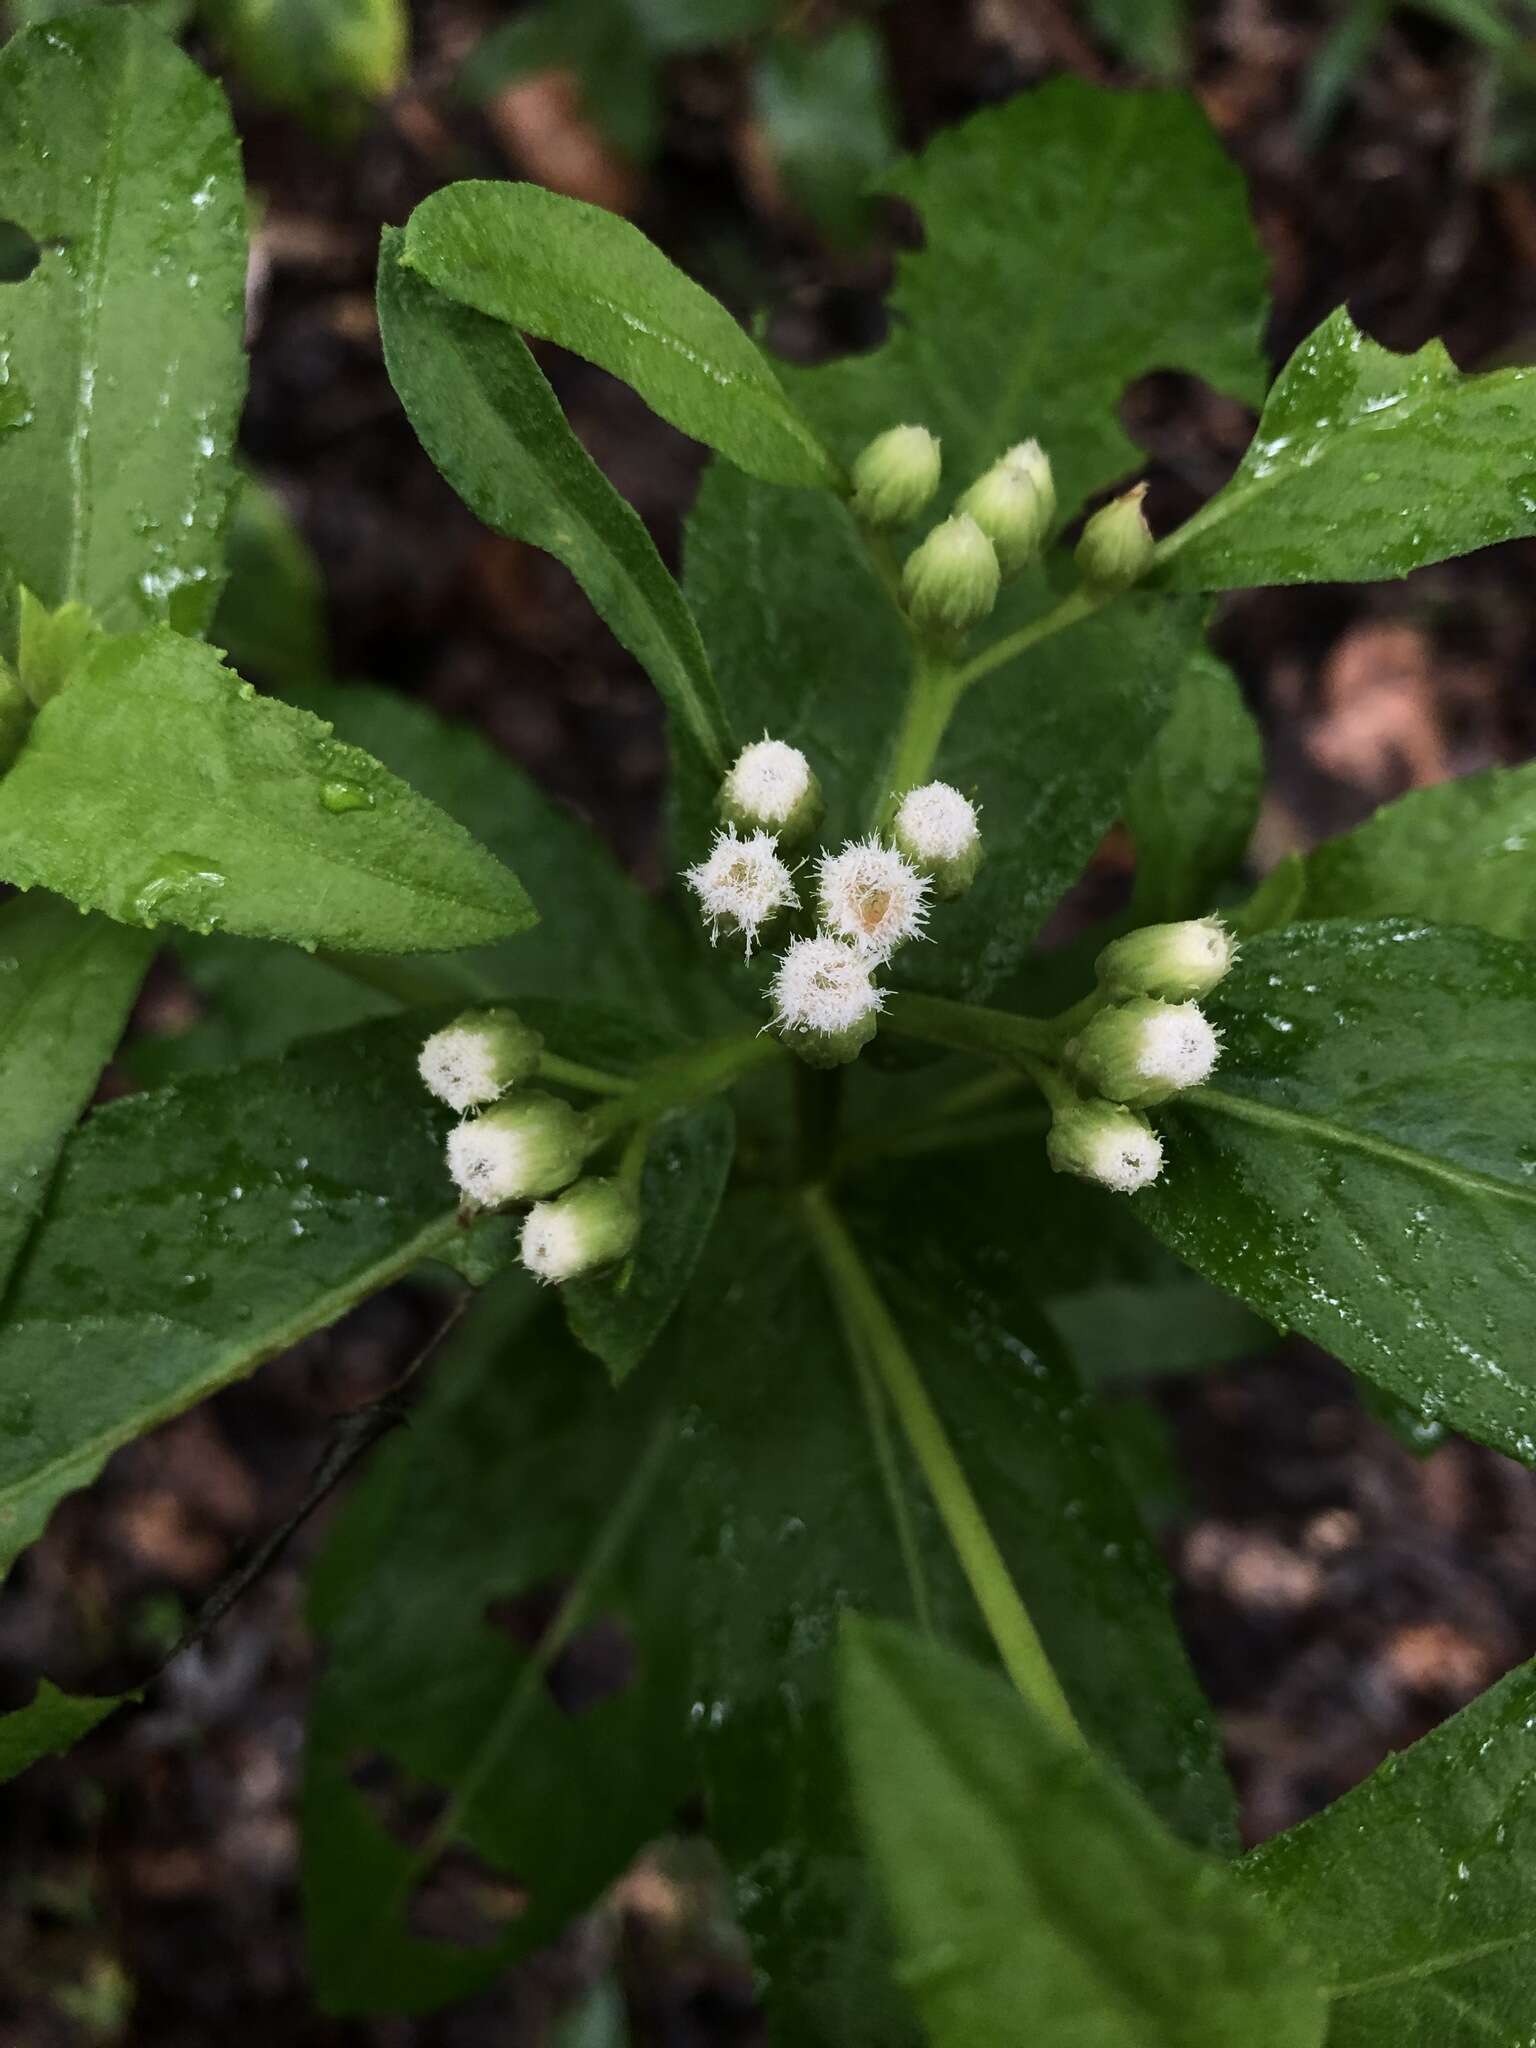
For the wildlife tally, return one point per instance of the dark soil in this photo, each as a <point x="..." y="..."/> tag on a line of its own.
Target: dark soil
<point x="1340" y="1593"/>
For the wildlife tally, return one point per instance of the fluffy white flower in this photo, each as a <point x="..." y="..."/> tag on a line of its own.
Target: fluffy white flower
<point x="1100" y="1142"/>
<point x="742" y="884"/>
<point x="1179" y="1047"/>
<point x="936" y="823"/>
<point x="590" y="1226"/>
<point x="767" y="783"/>
<point x="477" y="1057"/>
<point x="823" y="986"/>
<point x="872" y="897"/>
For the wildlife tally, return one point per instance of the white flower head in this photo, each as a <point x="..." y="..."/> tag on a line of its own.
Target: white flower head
<point x="936" y="823"/>
<point x="1179" y="1046"/>
<point x="1175" y="961"/>
<point x="767" y="783"/>
<point x="529" y="1145"/>
<point x="742" y="884"/>
<point x="1144" y="1050"/>
<point x="825" y="987"/>
<point x="477" y="1057"/>
<point x="591" y="1225"/>
<point x="872" y="897"/>
<point x="1101" y="1142"/>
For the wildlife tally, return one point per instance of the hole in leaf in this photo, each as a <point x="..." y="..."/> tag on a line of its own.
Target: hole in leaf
<point x="19" y="253"/>
<point x="407" y="1808"/>
<point x="463" y="1902"/>
<point x="595" y="1664"/>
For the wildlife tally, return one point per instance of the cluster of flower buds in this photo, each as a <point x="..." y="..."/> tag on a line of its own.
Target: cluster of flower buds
<point x="1148" y="1041"/>
<point x="870" y="895"/>
<point x="524" y="1146"/>
<point x="950" y="582"/>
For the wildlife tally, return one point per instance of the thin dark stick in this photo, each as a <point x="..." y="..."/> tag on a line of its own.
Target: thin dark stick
<point x="354" y="1437"/>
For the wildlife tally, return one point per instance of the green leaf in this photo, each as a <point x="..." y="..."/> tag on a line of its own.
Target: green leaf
<point x="159" y="788"/>
<point x="1460" y="853"/>
<point x="486" y="416"/>
<point x="1151" y="34"/>
<point x="271" y="616"/>
<point x="826" y="110"/>
<point x="194" y="1232"/>
<point x="52" y="1721"/>
<point x="1194" y="800"/>
<point x="1415" y="1893"/>
<point x="1074" y="240"/>
<point x="1362" y="1170"/>
<point x="117" y="156"/>
<point x="574" y="274"/>
<point x="307" y="53"/>
<point x="721" y="1508"/>
<point x="1366" y="464"/>
<point x="67" y="984"/>
<point x="620" y="1315"/>
<point x="1034" y="1897"/>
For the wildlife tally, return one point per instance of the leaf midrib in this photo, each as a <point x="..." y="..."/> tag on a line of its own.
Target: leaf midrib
<point x="1432" y="1966"/>
<point x="1465" y="1180"/>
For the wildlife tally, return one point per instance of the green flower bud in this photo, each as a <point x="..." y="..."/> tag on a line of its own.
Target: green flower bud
<point x="1116" y="548"/>
<point x="950" y="582"/>
<point x="895" y="476"/>
<point x="1014" y="504"/>
<point x="1175" y="961"/>
<point x="770" y="787"/>
<point x="1100" y="1141"/>
<point x="529" y="1145"/>
<point x="1144" y="1051"/>
<point x="936" y="830"/>
<point x="591" y="1225"/>
<point x="478" y="1057"/>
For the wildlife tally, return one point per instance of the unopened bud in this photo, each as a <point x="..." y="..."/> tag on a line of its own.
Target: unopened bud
<point x="895" y="476"/>
<point x="871" y="897"/>
<point x="936" y="829"/>
<point x="1102" y="1142"/>
<point x="1116" y="548"/>
<point x="743" y="885"/>
<point x="591" y="1225"/>
<point x="825" y="1001"/>
<point x="1144" y="1051"/>
<point x="770" y="788"/>
<point x="1014" y="504"/>
<point x="950" y="582"/>
<point x="527" y="1146"/>
<point x="478" y="1057"/>
<point x="1175" y="961"/>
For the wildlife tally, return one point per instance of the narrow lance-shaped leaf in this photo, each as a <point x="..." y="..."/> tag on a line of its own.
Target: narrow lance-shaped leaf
<point x="1366" y="464"/>
<point x="1364" y="1167"/>
<point x="1463" y="852"/>
<point x="67" y="983"/>
<point x="159" y="788"/>
<point x="486" y="416"/>
<point x="196" y="1231"/>
<point x="1415" y="1894"/>
<point x="1034" y="1897"/>
<point x="120" y="356"/>
<point x="575" y="274"/>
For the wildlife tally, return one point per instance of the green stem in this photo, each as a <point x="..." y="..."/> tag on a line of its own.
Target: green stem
<point x="931" y="700"/>
<point x="1079" y="604"/>
<point x="869" y="1324"/>
<point x="681" y="1078"/>
<point x="967" y="1027"/>
<point x="590" y="1080"/>
<point x="919" y="1140"/>
<point x="818" y="1106"/>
